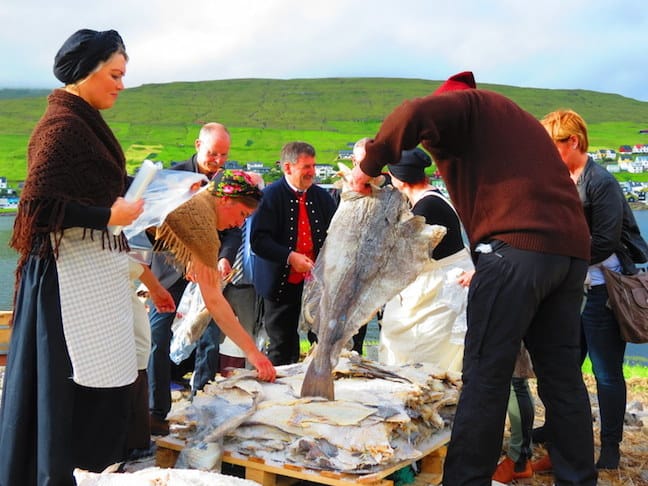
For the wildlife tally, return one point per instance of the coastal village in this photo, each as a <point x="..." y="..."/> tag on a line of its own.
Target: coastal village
<point x="628" y="159"/>
<point x="8" y="195"/>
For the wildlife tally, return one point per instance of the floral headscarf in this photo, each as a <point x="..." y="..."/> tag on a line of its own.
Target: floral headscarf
<point x="189" y="230"/>
<point x="234" y="183"/>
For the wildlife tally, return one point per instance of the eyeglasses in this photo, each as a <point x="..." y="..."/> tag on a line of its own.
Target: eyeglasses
<point x="216" y="155"/>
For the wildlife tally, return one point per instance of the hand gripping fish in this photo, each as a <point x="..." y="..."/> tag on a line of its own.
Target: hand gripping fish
<point x="375" y="247"/>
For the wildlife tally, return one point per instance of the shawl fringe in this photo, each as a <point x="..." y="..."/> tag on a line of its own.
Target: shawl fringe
<point x="190" y="232"/>
<point x="72" y="156"/>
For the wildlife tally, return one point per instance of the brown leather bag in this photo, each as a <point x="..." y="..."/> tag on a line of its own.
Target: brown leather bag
<point x="628" y="299"/>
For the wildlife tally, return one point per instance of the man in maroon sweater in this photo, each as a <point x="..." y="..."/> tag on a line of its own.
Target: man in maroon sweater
<point x="530" y="244"/>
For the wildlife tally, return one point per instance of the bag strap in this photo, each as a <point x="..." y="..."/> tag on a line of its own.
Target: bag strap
<point x="643" y="278"/>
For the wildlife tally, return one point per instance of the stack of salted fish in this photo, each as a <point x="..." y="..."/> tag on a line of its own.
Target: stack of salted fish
<point x="382" y="415"/>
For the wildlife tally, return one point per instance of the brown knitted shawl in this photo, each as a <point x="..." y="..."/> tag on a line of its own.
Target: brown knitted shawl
<point x="72" y="156"/>
<point x="190" y="232"/>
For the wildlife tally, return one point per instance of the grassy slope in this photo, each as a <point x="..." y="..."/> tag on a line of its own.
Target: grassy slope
<point x="161" y="121"/>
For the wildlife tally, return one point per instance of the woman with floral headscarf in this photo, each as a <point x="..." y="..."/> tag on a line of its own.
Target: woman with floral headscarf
<point x="189" y="233"/>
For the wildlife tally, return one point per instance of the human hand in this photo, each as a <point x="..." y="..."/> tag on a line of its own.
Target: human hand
<point x="224" y="268"/>
<point x="123" y="213"/>
<point x="465" y="278"/>
<point x="360" y="181"/>
<point x="265" y="370"/>
<point x="300" y="262"/>
<point x="162" y="300"/>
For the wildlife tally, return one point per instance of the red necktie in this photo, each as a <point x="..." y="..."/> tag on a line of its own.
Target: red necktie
<point x="304" y="238"/>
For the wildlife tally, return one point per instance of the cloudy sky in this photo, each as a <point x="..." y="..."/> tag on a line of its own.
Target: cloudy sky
<point x="599" y="45"/>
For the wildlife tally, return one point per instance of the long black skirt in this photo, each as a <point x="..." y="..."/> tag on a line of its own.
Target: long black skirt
<point x="48" y="424"/>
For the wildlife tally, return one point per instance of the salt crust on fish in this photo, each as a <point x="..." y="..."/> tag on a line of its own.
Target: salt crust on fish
<point x="374" y="423"/>
<point x="155" y="476"/>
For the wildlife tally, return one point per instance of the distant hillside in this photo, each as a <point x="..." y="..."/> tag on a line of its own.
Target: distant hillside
<point x="161" y="121"/>
<point x="9" y="93"/>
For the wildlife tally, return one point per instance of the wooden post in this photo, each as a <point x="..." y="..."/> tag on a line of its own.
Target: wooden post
<point x="5" y="335"/>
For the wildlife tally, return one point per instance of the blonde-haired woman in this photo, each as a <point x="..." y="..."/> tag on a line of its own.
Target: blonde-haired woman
<point x="608" y="216"/>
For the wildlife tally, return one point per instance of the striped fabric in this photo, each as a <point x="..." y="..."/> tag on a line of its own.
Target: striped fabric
<point x="237" y="268"/>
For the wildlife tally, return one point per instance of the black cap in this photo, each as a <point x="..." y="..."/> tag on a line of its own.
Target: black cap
<point x="82" y="52"/>
<point x="411" y="167"/>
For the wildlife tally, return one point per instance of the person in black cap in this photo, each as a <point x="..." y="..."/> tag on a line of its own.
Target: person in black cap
<point x="72" y="361"/>
<point x="84" y="51"/>
<point x="426" y="321"/>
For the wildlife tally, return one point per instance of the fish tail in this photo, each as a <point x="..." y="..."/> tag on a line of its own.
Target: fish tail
<point x="318" y="381"/>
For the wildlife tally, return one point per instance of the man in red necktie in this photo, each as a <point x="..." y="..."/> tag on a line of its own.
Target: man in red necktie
<point x="287" y="232"/>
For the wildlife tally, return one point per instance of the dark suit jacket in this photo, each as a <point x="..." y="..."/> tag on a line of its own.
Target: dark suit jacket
<point x="273" y="233"/>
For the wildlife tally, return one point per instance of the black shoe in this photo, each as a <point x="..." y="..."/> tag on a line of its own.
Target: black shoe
<point x="609" y="458"/>
<point x="539" y="435"/>
<point x="159" y="426"/>
<point x="136" y="454"/>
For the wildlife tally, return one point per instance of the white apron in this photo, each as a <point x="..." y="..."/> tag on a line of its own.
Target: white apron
<point x="426" y="321"/>
<point x="97" y="311"/>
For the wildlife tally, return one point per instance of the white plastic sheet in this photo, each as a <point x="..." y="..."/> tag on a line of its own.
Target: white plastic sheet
<point x="192" y="318"/>
<point x="167" y="190"/>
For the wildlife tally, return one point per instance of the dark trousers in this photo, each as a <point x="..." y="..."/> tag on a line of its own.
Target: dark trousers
<point x="281" y="320"/>
<point x="606" y="349"/>
<point x="139" y="432"/>
<point x="160" y="365"/>
<point x="515" y="295"/>
<point x="358" y="339"/>
<point x="521" y="414"/>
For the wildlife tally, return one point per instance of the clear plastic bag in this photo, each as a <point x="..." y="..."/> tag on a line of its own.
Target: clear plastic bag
<point x="168" y="190"/>
<point x="455" y="297"/>
<point x="192" y="318"/>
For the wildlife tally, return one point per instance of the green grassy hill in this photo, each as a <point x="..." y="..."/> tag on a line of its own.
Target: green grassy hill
<point x="161" y="121"/>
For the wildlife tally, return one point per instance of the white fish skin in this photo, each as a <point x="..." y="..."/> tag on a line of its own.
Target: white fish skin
<point x="375" y="247"/>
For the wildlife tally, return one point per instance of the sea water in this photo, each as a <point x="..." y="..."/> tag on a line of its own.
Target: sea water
<point x="8" y="259"/>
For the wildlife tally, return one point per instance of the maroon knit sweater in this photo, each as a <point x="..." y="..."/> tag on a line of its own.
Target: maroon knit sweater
<point x="502" y="170"/>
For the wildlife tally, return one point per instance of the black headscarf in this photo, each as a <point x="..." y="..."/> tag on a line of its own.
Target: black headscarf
<point x="82" y="52"/>
<point x="411" y="167"/>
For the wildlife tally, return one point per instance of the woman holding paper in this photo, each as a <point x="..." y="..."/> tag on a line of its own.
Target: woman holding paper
<point x="71" y="362"/>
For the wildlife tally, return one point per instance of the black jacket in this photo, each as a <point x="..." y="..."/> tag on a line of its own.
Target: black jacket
<point x="607" y="213"/>
<point x="273" y="233"/>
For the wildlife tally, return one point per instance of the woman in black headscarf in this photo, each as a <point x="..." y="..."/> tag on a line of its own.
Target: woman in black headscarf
<point x="425" y="322"/>
<point x="71" y="361"/>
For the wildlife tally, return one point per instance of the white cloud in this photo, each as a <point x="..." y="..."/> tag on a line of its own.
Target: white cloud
<point x="591" y="44"/>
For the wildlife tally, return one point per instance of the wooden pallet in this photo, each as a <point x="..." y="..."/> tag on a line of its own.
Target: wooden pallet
<point x="5" y="335"/>
<point x="270" y="473"/>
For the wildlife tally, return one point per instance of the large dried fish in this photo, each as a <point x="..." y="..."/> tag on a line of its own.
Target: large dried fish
<point x="373" y="423"/>
<point x="375" y="247"/>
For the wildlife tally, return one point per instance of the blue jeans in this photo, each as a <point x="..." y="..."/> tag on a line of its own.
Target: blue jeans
<point x="603" y="343"/>
<point x="159" y="366"/>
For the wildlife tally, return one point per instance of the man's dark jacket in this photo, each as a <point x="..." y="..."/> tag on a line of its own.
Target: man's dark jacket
<point x="273" y="233"/>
